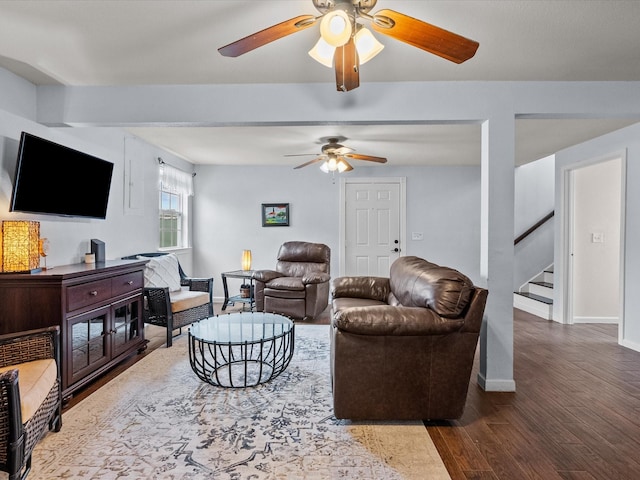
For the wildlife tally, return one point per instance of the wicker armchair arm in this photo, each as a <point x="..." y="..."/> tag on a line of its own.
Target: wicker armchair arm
<point x="199" y="284"/>
<point x="157" y="301"/>
<point x="28" y="346"/>
<point x="10" y="407"/>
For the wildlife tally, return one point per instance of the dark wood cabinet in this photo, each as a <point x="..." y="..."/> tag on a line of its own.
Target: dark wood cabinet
<point x="97" y="306"/>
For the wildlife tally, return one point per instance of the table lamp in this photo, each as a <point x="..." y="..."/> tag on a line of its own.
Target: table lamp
<point x="246" y="260"/>
<point x="20" y="246"/>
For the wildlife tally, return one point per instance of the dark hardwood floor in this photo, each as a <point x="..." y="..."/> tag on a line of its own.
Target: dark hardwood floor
<point x="574" y="416"/>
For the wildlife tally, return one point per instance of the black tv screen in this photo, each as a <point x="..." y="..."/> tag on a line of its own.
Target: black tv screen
<point x="57" y="180"/>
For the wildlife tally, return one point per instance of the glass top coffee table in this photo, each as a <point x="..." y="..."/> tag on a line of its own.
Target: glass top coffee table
<point x="242" y="349"/>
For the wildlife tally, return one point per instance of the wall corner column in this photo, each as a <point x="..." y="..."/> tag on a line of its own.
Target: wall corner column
<point x="497" y="253"/>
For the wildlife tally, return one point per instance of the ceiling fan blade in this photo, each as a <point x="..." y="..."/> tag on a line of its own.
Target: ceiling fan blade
<point x="299" y="154"/>
<point x="347" y="66"/>
<point x="310" y="162"/>
<point x="368" y="158"/>
<point x="423" y="35"/>
<point x="267" y="35"/>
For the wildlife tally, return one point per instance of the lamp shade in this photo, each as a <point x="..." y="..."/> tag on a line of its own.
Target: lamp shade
<point x="20" y="246"/>
<point x="246" y="260"/>
<point x="335" y="28"/>
<point x="322" y="53"/>
<point x="367" y="45"/>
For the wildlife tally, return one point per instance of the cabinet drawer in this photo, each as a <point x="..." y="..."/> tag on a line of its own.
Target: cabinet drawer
<point x="85" y="294"/>
<point x="126" y="283"/>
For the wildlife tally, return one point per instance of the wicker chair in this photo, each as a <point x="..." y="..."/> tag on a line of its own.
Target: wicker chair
<point x="18" y="439"/>
<point x="157" y="302"/>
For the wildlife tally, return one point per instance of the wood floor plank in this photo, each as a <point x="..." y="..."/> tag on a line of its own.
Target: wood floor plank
<point x="450" y="462"/>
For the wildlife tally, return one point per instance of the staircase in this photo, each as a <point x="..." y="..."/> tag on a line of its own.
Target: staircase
<point x="536" y="297"/>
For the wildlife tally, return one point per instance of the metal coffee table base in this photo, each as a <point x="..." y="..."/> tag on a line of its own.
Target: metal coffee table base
<point x="241" y="364"/>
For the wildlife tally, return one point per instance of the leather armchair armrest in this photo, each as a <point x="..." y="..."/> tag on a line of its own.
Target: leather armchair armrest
<point x="266" y="275"/>
<point x="315" y="277"/>
<point x="373" y="288"/>
<point x="389" y="320"/>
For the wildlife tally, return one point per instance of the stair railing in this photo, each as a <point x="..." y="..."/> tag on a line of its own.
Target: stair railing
<point x="534" y="227"/>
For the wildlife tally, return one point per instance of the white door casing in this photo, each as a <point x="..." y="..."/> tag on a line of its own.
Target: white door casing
<point x="564" y="313"/>
<point x="372" y="225"/>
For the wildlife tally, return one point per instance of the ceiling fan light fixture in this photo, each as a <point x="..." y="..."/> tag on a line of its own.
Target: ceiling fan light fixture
<point x="367" y="45"/>
<point x="322" y="53"/>
<point x="332" y="165"/>
<point x="336" y="28"/>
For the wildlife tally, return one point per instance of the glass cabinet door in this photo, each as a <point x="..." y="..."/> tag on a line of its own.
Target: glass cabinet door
<point x="126" y="324"/>
<point x="89" y="346"/>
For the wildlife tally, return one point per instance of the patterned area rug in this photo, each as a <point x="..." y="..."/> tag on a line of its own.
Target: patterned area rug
<point x="158" y="421"/>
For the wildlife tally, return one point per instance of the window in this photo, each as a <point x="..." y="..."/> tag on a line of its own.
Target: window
<point x="175" y="188"/>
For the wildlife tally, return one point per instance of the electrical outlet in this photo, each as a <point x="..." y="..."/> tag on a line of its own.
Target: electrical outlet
<point x="417" y="236"/>
<point x="597" y="237"/>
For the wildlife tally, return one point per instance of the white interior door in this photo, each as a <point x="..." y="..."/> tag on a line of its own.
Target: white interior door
<point x="595" y="242"/>
<point x="372" y="236"/>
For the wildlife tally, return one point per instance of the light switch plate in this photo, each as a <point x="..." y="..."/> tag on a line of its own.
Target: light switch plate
<point x="417" y="236"/>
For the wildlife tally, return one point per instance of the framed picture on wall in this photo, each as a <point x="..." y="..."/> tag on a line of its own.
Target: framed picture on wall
<point x="275" y="214"/>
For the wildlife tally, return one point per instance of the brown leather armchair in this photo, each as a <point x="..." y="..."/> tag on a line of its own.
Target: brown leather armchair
<point x="299" y="285"/>
<point x="402" y="348"/>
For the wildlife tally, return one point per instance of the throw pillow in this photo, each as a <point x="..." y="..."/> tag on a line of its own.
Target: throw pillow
<point x="162" y="271"/>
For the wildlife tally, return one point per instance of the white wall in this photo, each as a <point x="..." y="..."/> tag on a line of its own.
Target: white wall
<point x="534" y="198"/>
<point x="442" y="202"/>
<point x="623" y="143"/>
<point x="69" y="238"/>
<point x="494" y="105"/>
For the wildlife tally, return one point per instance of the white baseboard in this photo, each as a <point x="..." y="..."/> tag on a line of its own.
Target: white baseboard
<point x="631" y="345"/>
<point x="496" y="385"/>
<point x="612" y="320"/>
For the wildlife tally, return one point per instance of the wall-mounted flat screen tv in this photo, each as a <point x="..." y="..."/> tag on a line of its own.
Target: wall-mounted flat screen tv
<point x="57" y="180"/>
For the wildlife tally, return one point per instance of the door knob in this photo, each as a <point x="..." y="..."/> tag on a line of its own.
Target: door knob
<point x="395" y="249"/>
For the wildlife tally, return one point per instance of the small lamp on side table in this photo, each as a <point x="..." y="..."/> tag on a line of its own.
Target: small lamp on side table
<point x="246" y="260"/>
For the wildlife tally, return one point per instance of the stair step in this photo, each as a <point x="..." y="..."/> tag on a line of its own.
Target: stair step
<point x="538" y="298"/>
<point x="535" y="304"/>
<point x="542" y="289"/>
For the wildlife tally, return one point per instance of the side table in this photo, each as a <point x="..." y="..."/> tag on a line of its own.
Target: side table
<point x="244" y="274"/>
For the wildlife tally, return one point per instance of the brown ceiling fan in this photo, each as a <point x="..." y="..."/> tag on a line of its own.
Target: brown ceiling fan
<point x="348" y="44"/>
<point x="335" y="157"/>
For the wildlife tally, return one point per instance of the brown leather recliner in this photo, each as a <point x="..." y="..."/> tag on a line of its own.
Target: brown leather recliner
<point x="402" y="348"/>
<point x="299" y="286"/>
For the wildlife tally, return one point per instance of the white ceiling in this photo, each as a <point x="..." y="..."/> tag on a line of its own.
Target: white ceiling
<point x="174" y="42"/>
